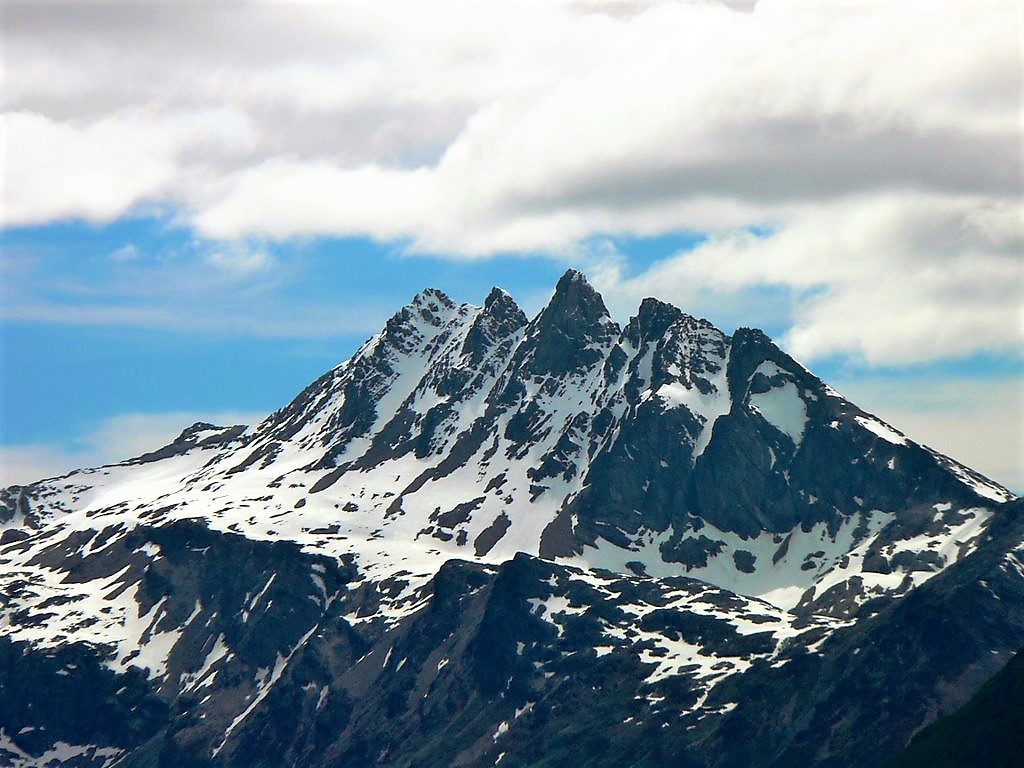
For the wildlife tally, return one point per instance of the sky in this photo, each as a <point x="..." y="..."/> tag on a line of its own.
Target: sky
<point x="206" y="205"/>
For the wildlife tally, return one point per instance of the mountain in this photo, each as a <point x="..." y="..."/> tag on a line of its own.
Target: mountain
<point x="487" y="539"/>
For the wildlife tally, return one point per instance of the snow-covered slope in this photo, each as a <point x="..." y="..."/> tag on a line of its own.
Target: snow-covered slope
<point x="654" y="454"/>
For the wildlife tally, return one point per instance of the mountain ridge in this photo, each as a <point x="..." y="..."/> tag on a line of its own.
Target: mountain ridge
<point x="687" y="506"/>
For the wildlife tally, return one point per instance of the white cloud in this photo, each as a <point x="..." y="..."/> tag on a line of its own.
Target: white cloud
<point x="100" y="169"/>
<point x="274" y="319"/>
<point x="115" y="439"/>
<point x="500" y="126"/>
<point x="684" y="115"/>
<point x="127" y="252"/>
<point x="891" y="280"/>
<point x="240" y="259"/>
<point x="56" y="170"/>
<point x="880" y="141"/>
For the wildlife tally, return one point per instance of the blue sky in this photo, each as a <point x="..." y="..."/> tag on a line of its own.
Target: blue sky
<point x="131" y="316"/>
<point x="207" y="205"/>
<point x="137" y="317"/>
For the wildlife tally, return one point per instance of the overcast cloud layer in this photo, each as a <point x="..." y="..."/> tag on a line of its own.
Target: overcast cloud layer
<point x="876" y="150"/>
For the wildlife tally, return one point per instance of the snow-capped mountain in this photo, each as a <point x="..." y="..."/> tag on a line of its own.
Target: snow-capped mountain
<point x="442" y="548"/>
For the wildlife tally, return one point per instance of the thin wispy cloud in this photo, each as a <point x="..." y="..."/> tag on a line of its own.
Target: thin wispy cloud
<point x="241" y="261"/>
<point x="212" y="288"/>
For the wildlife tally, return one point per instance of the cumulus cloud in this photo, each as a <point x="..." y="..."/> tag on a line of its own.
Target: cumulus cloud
<point x="879" y="143"/>
<point x="541" y="122"/>
<point x="115" y="439"/>
<point x="890" y="280"/>
<point x="100" y="169"/>
<point x="685" y="114"/>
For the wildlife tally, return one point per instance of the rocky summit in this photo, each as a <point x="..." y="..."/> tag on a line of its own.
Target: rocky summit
<point x="491" y="540"/>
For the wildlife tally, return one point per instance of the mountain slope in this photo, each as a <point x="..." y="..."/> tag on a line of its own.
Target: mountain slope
<point x="479" y="519"/>
<point x="987" y="730"/>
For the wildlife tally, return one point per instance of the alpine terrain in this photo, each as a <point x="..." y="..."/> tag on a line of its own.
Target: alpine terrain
<point x="492" y="540"/>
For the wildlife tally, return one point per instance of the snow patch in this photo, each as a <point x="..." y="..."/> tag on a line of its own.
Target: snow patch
<point x="884" y="431"/>
<point x="784" y="409"/>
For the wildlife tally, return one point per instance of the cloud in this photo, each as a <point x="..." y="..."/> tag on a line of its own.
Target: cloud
<point x="879" y="143"/>
<point x="127" y="252"/>
<point x="889" y="280"/>
<point x="471" y="130"/>
<point x="211" y="287"/>
<point x="239" y="259"/>
<point x="101" y="169"/>
<point x="115" y="439"/>
<point x="684" y="115"/>
<point x="277" y="319"/>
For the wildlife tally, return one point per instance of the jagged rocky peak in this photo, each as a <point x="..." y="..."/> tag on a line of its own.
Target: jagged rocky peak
<point x="652" y="321"/>
<point x="672" y="346"/>
<point x="199" y="435"/>
<point x="429" y="309"/>
<point x="204" y="432"/>
<point x="432" y="300"/>
<point x="751" y="347"/>
<point x="498" y="320"/>
<point x="500" y="301"/>
<point x="570" y="332"/>
<point x="501" y="313"/>
<point x="576" y="300"/>
<point x="345" y="402"/>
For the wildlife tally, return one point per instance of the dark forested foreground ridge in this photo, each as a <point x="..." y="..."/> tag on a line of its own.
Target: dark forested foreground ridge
<point x="489" y="540"/>
<point x="987" y="731"/>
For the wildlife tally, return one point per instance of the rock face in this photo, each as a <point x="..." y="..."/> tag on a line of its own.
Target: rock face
<point x="440" y="550"/>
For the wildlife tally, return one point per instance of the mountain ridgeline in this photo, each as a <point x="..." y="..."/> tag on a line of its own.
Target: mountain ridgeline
<point x="493" y="540"/>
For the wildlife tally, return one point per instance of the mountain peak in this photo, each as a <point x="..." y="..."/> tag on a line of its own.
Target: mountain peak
<point x="652" y="320"/>
<point x="429" y="306"/>
<point x="567" y="328"/>
<point x="575" y="297"/>
<point x="432" y="297"/>
<point x="500" y="307"/>
<point x="572" y="276"/>
<point x="500" y="318"/>
<point x="498" y="297"/>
